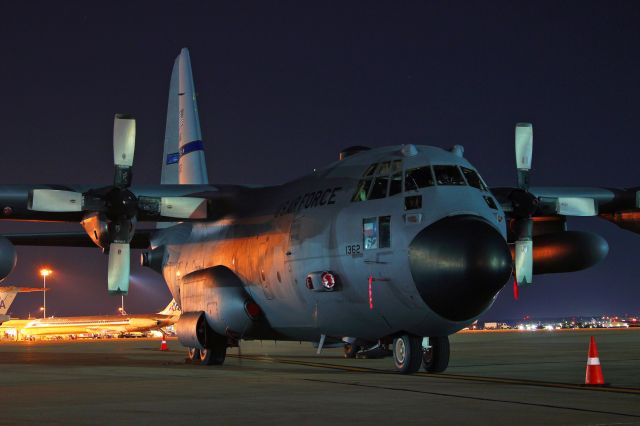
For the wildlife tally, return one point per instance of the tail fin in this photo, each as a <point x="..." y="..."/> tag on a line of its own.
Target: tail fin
<point x="8" y="295"/>
<point x="183" y="158"/>
<point x="171" y="154"/>
<point x="171" y="309"/>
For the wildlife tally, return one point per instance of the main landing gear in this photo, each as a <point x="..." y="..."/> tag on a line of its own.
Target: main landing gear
<point x="409" y="354"/>
<point x="214" y="353"/>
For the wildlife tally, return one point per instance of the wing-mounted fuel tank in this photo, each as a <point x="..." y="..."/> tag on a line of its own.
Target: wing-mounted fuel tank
<point x="217" y="296"/>
<point x="8" y="257"/>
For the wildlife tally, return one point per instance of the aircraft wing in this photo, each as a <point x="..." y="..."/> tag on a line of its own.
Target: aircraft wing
<point x="140" y="240"/>
<point x="555" y="204"/>
<point x="157" y="203"/>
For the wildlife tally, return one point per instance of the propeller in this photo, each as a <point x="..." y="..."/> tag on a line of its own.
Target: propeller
<point x="527" y="204"/>
<point x="117" y="205"/>
<point x="524" y="204"/>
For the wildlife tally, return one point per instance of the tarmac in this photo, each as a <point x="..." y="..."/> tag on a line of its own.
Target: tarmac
<point x="494" y="378"/>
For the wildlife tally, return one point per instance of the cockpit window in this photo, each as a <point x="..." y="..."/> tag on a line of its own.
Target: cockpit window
<point x="417" y="178"/>
<point x="362" y="191"/>
<point x="448" y="175"/>
<point x="383" y="168"/>
<point x="395" y="186"/>
<point x="377" y="182"/>
<point x="473" y="178"/>
<point x="370" y="170"/>
<point x="379" y="189"/>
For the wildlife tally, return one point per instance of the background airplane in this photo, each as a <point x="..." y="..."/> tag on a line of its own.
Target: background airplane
<point x="8" y="295"/>
<point x="400" y="245"/>
<point x="95" y="325"/>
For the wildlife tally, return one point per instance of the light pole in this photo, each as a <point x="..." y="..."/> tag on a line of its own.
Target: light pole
<point x="121" y="308"/>
<point x="45" y="273"/>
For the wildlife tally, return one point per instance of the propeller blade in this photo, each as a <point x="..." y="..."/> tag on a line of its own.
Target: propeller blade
<point x="119" y="267"/>
<point x="183" y="207"/>
<point x="524" y="262"/>
<point x="53" y="200"/>
<point x="124" y="140"/>
<point x="124" y="145"/>
<point x="524" y="148"/>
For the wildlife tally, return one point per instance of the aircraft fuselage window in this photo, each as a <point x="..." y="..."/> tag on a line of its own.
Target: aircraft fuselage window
<point x="473" y="179"/>
<point x="370" y="233"/>
<point x="413" y="202"/>
<point x="379" y="189"/>
<point x="417" y="178"/>
<point x="376" y="232"/>
<point x="384" y="226"/>
<point x="448" y="175"/>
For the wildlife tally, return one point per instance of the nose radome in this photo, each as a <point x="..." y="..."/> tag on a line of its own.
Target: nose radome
<point x="458" y="265"/>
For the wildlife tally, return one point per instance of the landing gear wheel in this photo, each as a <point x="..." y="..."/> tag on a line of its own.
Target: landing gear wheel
<point x="407" y="353"/>
<point x="194" y="354"/>
<point x="436" y="358"/>
<point x="350" y="350"/>
<point x="215" y="353"/>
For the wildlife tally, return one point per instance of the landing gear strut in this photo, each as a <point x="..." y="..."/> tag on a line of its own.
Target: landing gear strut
<point x="407" y="353"/>
<point x="351" y="350"/>
<point x="435" y="358"/>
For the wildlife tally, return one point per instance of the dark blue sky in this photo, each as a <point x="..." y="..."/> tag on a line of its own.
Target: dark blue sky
<point x="283" y="86"/>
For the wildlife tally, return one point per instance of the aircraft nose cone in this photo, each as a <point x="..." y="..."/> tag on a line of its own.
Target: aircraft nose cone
<point x="458" y="265"/>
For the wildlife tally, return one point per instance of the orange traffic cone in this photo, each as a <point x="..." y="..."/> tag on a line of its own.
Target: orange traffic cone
<point x="594" y="375"/>
<point x="163" y="345"/>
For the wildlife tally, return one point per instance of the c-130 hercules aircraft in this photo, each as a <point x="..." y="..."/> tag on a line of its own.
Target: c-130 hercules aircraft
<point x="401" y="245"/>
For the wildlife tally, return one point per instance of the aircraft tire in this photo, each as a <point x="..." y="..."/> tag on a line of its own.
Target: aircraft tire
<point x="407" y="353"/>
<point x="193" y="354"/>
<point x="436" y="359"/>
<point x="216" y="353"/>
<point x="350" y="350"/>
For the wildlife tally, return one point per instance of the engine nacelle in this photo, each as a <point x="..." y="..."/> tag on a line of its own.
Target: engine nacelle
<point x="629" y="220"/>
<point x="8" y="257"/>
<point x="191" y="329"/>
<point x="567" y="251"/>
<point x="220" y="294"/>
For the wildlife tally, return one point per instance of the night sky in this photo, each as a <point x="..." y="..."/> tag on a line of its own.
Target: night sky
<point x="283" y="86"/>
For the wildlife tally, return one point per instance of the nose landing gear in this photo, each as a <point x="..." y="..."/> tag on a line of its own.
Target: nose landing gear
<point x="407" y="353"/>
<point x="435" y="355"/>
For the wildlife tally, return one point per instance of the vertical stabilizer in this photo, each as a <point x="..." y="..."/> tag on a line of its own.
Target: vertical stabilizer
<point x="192" y="169"/>
<point x="171" y="155"/>
<point x="171" y="309"/>
<point x="6" y="299"/>
<point x="8" y="295"/>
<point x="183" y="158"/>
